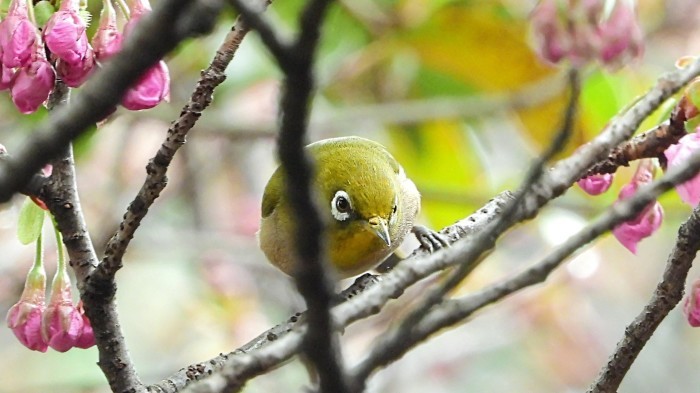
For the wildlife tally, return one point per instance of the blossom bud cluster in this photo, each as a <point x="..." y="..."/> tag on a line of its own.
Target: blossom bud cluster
<point x="32" y="59"/>
<point x="631" y="232"/>
<point x="582" y="31"/>
<point x="60" y="325"/>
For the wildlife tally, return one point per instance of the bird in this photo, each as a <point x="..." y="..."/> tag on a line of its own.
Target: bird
<point x="368" y="203"/>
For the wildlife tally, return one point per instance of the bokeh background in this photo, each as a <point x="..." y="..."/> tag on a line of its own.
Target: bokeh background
<point x="454" y="91"/>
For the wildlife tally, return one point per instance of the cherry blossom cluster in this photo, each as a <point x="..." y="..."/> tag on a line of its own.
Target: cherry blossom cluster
<point x="630" y="233"/>
<point x="61" y="324"/>
<point x="582" y="31"/>
<point x="33" y="55"/>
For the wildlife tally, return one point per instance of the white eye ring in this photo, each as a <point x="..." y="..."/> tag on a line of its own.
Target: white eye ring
<point x="341" y="206"/>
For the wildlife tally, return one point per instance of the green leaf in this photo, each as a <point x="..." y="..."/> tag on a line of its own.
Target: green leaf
<point x="42" y="12"/>
<point x="31" y="219"/>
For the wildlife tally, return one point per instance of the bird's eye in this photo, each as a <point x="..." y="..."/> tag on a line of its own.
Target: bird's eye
<point x="341" y="206"/>
<point x="393" y="211"/>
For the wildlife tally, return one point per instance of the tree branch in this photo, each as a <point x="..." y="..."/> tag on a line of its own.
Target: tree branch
<point x="650" y="144"/>
<point x="485" y="239"/>
<point x="453" y="311"/>
<point x="279" y="48"/>
<point x="157" y="34"/>
<point x="668" y="293"/>
<point x="60" y="193"/>
<point x="311" y="276"/>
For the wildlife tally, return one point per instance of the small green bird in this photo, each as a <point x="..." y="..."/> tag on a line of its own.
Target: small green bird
<point x="368" y="202"/>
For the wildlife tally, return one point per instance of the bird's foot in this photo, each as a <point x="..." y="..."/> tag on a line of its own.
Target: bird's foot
<point x="429" y="239"/>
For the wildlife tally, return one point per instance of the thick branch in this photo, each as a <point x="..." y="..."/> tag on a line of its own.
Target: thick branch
<point x="157" y="34"/>
<point x="60" y="193"/>
<point x="667" y="294"/>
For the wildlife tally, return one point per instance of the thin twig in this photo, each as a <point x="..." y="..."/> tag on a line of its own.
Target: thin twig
<point x="667" y="294"/>
<point x="256" y="19"/>
<point x="486" y="238"/>
<point x="650" y="144"/>
<point x="156" y="34"/>
<point x="451" y="312"/>
<point x="157" y="167"/>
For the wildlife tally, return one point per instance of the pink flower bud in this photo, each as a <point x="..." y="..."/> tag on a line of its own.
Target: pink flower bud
<point x="24" y="318"/>
<point x="74" y="74"/>
<point x="65" y="33"/>
<point x="17" y="35"/>
<point x="107" y="39"/>
<point x="631" y="232"/>
<point x="33" y="83"/>
<point x="150" y="90"/>
<point x="62" y="324"/>
<point x="677" y="155"/>
<point x="551" y="42"/>
<point x="596" y="184"/>
<point x="580" y="32"/>
<point x="691" y="305"/>
<point x="620" y="34"/>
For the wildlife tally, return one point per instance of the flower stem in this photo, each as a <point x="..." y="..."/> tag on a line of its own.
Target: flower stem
<point x="39" y="257"/>
<point x="59" y="246"/>
<point x="30" y="11"/>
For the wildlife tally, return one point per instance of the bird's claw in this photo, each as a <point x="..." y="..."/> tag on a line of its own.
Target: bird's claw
<point x="429" y="239"/>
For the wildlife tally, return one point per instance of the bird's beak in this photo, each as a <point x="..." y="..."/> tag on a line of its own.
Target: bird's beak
<point x="380" y="228"/>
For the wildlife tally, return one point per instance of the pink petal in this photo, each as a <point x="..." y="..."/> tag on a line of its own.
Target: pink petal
<point x="150" y="90"/>
<point x="596" y="184"/>
<point x="32" y="85"/>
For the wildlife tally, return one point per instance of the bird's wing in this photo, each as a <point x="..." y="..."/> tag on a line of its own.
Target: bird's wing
<point x="272" y="194"/>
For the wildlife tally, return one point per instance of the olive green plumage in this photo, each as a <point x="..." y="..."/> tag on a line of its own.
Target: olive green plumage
<point x="366" y="199"/>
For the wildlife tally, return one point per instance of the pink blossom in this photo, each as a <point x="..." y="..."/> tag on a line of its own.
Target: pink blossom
<point x="74" y="74"/>
<point x="65" y="33"/>
<point x="24" y="318"/>
<point x="154" y="86"/>
<point x="580" y="32"/>
<point x="107" y="39"/>
<point x="150" y="90"/>
<point x="596" y="184"/>
<point x="631" y="232"/>
<point x="677" y="155"/>
<point x="17" y="35"/>
<point x="62" y="324"/>
<point x="620" y="34"/>
<point x="33" y="83"/>
<point x="691" y="305"/>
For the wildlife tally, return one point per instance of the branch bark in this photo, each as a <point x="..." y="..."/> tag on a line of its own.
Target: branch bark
<point x="668" y="293"/>
<point x="60" y="193"/>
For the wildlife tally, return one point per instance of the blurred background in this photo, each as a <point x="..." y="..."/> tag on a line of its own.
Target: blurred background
<point x="454" y="91"/>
